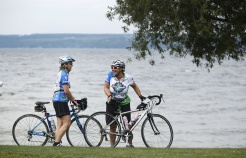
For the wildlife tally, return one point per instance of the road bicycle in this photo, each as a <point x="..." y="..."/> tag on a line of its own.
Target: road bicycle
<point x="31" y="129"/>
<point x="156" y="130"/>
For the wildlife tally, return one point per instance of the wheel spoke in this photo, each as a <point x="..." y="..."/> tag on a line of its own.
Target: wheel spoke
<point x="26" y="123"/>
<point x="98" y="131"/>
<point x="74" y="135"/>
<point x="151" y="138"/>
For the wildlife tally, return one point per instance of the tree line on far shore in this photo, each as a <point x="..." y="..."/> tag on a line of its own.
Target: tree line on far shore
<point x="66" y="41"/>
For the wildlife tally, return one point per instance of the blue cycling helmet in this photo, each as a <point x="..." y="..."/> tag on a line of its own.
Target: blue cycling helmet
<point x="65" y="59"/>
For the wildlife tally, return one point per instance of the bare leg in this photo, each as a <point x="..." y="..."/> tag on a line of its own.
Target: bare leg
<point x="130" y="141"/>
<point x="112" y="137"/>
<point x="62" y="125"/>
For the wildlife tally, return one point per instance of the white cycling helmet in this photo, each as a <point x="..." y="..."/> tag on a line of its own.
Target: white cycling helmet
<point x="66" y="59"/>
<point x="118" y="63"/>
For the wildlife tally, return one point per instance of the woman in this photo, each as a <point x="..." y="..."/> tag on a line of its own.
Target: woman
<point x="116" y="87"/>
<point x="61" y="97"/>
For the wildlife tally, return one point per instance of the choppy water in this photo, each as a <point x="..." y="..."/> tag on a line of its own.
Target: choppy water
<point x="205" y="109"/>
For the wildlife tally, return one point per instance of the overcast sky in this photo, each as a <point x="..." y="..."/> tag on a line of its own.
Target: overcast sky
<point x="56" y="16"/>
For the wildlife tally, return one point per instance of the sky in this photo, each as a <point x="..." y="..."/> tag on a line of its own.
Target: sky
<point x="24" y="17"/>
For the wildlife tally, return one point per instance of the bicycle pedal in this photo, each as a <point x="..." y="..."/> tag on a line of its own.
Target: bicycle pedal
<point x="124" y="139"/>
<point x="51" y="140"/>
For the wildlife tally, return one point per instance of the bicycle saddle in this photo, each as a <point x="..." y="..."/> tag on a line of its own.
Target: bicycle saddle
<point x="41" y="103"/>
<point x="141" y="106"/>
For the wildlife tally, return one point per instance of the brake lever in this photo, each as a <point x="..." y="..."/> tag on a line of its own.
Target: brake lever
<point x="161" y="95"/>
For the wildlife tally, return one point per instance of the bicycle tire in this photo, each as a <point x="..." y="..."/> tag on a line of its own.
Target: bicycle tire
<point x="74" y="135"/>
<point x="97" y="132"/>
<point x="23" y="135"/>
<point x="162" y="140"/>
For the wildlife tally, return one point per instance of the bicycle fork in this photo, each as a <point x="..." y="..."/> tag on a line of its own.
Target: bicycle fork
<point x="152" y="124"/>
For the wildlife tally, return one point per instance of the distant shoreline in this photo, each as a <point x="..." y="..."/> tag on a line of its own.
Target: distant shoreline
<point x="66" y="41"/>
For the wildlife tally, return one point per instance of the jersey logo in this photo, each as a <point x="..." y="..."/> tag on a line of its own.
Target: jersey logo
<point x="118" y="87"/>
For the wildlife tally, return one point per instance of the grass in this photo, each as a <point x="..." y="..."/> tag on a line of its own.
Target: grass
<point x="74" y="152"/>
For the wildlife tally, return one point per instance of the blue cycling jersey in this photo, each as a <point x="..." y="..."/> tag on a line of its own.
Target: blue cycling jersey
<point x="61" y="79"/>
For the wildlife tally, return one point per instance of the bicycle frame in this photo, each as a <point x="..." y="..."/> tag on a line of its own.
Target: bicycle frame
<point x="46" y="118"/>
<point x="35" y="130"/>
<point x="109" y="129"/>
<point x="140" y="118"/>
<point x="43" y="119"/>
<point x="74" y="114"/>
<point x="142" y="115"/>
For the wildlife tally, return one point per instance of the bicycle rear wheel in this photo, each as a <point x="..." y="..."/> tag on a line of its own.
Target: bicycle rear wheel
<point x="157" y="132"/>
<point x="29" y="130"/>
<point x="75" y="134"/>
<point x="97" y="130"/>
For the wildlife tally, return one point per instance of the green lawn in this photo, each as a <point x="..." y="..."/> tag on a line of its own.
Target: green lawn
<point x="73" y="152"/>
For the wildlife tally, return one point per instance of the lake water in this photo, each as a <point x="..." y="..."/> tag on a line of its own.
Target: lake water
<point x="206" y="109"/>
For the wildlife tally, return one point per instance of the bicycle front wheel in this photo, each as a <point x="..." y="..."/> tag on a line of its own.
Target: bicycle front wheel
<point x="75" y="133"/>
<point x="29" y="130"/>
<point x="157" y="132"/>
<point x="98" y="133"/>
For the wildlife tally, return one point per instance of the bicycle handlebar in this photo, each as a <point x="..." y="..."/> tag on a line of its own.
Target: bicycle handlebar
<point x="82" y="104"/>
<point x="156" y="96"/>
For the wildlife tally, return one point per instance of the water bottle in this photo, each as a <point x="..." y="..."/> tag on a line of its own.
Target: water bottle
<point x="53" y="125"/>
<point x="126" y="122"/>
<point x="134" y="119"/>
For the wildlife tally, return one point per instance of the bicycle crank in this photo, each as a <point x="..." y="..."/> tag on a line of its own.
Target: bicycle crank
<point x="127" y="133"/>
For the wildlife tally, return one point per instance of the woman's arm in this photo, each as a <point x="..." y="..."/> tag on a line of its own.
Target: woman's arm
<point x="68" y="93"/>
<point x="136" y="89"/>
<point x="106" y="89"/>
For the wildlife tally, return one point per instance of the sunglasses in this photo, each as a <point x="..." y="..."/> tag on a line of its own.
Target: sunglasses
<point x="114" y="67"/>
<point x="70" y="63"/>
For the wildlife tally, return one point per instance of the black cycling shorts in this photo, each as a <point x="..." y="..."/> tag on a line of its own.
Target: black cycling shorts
<point x="112" y="107"/>
<point x="61" y="109"/>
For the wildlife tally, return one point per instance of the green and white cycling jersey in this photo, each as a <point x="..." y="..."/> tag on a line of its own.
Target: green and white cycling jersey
<point x="119" y="88"/>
